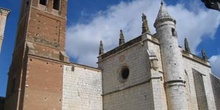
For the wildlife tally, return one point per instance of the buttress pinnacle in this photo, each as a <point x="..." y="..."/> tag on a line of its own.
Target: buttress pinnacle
<point x="186" y="44"/>
<point x="101" y="48"/>
<point x="204" y="56"/>
<point x="145" y="27"/>
<point x="121" y="39"/>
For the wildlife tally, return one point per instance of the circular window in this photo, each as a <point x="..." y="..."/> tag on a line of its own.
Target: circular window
<point x="125" y="73"/>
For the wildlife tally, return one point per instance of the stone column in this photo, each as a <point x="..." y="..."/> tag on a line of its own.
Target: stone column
<point x="3" y="17"/>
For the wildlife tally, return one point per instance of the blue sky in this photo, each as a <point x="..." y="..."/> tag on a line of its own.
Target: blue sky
<point x="90" y="21"/>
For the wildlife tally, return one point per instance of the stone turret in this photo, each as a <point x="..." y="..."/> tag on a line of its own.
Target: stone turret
<point x="3" y="17"/>
<point x="172" y="60"/>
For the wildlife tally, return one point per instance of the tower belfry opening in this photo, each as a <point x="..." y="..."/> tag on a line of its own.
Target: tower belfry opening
<point x="43" y="2"/>
<point x="56" y="4"/>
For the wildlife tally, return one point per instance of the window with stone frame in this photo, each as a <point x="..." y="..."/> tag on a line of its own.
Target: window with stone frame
<point x="56" y="4"/>
<point x="124" y="74"/>
<point x="43" y="2"/>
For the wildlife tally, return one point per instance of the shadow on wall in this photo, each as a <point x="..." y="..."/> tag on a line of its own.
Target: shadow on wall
<point x="2" y="103"/>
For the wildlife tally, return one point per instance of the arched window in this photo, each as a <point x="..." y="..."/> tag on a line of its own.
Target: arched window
<point x="56" y="4"/>
<point x="43" y="2"/>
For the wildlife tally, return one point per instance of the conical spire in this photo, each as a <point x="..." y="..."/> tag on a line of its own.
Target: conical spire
<point x="121" y="39"/>
<point x="101" y="48"/>
<point x="145" y="27"/>
<point x="163" y="14"/>
<point x="186" y="44"/>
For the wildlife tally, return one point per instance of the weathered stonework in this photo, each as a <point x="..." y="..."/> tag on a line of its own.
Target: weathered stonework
<point x="36" y="71"/>
<point x="149" y="72"/>
<point x="160" y="71"/>
<point x="82" y="88"/>
<point x="3" y="17"/>
<point x="216" y="90"/>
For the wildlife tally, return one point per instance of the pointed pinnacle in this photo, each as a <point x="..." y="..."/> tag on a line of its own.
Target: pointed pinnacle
<point x="144" y="17"/>
<point x="186" y="44"/>
<point x="204" y="56"/>
<point x="145" y="27"/>
<point x="121" y="39"/>
<point x="101" y="49"/>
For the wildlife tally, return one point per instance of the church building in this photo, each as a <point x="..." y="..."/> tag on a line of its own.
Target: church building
<point x="149" y="72"/>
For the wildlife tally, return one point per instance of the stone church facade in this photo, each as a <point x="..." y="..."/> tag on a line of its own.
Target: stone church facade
<point x="149" y="72"/>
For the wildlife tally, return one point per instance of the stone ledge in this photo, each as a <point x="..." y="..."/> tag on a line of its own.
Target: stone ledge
<point x="196" y="59"/>
<point x="119" y="48"/>
<point x="141" y="39"/>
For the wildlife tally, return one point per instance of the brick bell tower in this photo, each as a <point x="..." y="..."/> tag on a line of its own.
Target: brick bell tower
<point x="36" y="72"/>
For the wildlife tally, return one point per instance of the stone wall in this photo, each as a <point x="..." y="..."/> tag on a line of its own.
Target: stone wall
<point x="135" y="91"/>
<point x="202" y="67"/>
<point x="81" y="88"/>
<point x="157" y="79"/>
<point x="216" y="90"/>
<point x="200" y="90"/>
<point x="3" y="17"/>
<point x="135" y="98"/>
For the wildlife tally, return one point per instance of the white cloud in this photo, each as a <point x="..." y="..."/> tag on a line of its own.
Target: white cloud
<point x="215" y="63"/>
<point x="194" y="25"/>
<point x="83" y="39"/>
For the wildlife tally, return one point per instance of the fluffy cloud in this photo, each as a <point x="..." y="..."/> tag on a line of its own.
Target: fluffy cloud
<point x="194" y="25"/>
<point x="83" y="38"/>
<point x="215" y="63"/>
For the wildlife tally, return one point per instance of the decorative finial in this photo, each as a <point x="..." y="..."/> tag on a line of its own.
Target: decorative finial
<point x="145" y="27"/>
<point x="121" y="39"/>
<point x="204" y="56"/>
<point x="161" y="2"/>
<point x="144" y="16"/>
<point x="101" y="49"/>
<point x="187" y="48"/>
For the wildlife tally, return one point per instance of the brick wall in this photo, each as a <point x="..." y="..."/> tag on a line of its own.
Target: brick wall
<point x="43" y="85"/>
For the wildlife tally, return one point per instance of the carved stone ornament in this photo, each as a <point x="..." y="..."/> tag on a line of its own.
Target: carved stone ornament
<point x="153" y="59"/>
